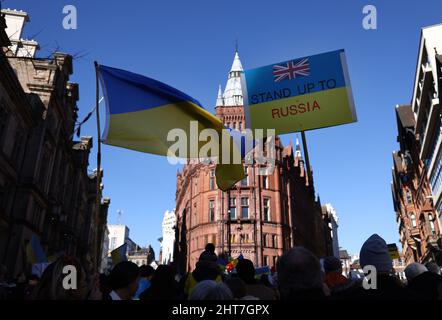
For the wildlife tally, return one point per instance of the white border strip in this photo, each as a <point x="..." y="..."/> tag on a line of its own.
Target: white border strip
<point x="106" y="128"/>
<point x="348" y="85"/>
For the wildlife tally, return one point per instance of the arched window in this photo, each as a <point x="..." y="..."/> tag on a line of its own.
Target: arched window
<point x="413" y="220"/>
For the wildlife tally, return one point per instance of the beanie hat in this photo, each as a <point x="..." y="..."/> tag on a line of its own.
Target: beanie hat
<point x="332" y="264"/>
<point x="123" y="274"/>
<point x="374" y="252"/>
<point x="414" y="269"/>
<point x="208" y="256"/>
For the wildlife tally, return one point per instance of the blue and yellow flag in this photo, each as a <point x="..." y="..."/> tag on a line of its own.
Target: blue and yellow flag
<point x="35" y="252"/>
<point x="142" y="111"/>
<point x="119" y="254"/>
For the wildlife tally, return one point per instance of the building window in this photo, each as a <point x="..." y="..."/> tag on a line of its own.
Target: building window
<point x="232" y="208"/>
<point x="274" y="241"/>
<point x="232" y="238"/>
<point x="431" y="220"/>
<point x="413" y="220"/>
<point x="244" y="208"/>
<point x="266" y="260"/>
<point x="266" y="239"/>
<point x="408" y="196"/>
<point x="228" y="124"/>
<point x="212" y="179"/>
<point x="234" y="125"/>
<point x="265" y="182"/>
<point x="245" y="181"/>
<point x="211" y="210"/>
<point x="112" y="244"/>
<point x="266" y="209"/>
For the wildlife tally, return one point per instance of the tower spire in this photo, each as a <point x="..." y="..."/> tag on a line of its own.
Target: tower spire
<point x="233" y="91"/>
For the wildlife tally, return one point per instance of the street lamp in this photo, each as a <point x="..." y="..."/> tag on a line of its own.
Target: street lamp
<point x="239" y="229"/>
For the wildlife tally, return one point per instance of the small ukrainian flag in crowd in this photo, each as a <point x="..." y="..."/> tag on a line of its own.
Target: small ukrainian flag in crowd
<point x="35" y="252"/>
<point x="142" y="111"/>
<point x="119" y="254"/>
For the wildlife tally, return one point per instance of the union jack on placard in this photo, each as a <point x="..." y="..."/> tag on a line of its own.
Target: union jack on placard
<point x="291" y="70"/>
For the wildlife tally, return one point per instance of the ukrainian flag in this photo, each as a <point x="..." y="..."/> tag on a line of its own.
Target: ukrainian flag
<point x="119" y="254"/>
<point x="142" y="111"/>
<point x="35" y="252"/>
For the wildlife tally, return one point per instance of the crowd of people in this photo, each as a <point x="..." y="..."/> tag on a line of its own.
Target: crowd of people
<point x="299" y="275"/>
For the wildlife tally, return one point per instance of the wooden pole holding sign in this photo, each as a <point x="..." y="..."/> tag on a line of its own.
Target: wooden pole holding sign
<point x="98" y="186"/>
<point x="229" y="226"/>
<point x="307" y="160"/>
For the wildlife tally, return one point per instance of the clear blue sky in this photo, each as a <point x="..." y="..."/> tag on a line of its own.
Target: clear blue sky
<point x="190" y="45"/>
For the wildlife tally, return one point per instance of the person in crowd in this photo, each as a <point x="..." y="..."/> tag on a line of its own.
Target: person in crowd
<point x="4" y="286"/>
<point x="105" y="286"/>
<point x="413" y="270"/>
<point x="264" y="279"/>
<point x="146" y="273"/>
<point x="433" y="267"/>
<point x="52" y="285"/>
<point x="21" y="285"/>
<point x="299" y="275"/>
<point x="32" y="283"/>
<point x="124" y="279"/>
<point x="246" y="272"/>
<point x="238" y="288"/>
<point x="206" y="269"/>
<point x="209" y="253"/>
<point x="423" y="283"/>
<point x="163" y="285"/>
<point x="211" y="290"/>
<point x="374" y="252"/>
<point x="336" y="282"/>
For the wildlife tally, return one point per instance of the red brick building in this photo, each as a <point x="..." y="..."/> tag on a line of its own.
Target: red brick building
<point x="268" y="213"/>
<point x="416" y="218"/>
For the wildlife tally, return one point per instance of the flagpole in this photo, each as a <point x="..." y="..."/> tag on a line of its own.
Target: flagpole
<point x="307" y="160"/>
<point x="98" y="186"/>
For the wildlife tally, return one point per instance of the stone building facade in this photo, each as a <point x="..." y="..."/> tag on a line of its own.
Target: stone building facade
<point x="262" y="216"/>
<point x="45" y="187"/>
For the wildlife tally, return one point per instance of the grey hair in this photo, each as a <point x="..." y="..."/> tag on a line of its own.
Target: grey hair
<point x="211" y="290"/>
<point x="298" y="269"/>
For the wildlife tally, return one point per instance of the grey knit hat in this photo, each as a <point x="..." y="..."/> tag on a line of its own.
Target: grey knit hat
<point x="374" y="252"/>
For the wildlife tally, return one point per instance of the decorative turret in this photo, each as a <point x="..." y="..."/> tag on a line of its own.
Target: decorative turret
<point x="298" y="153"/>
<point x="219" y="98"/>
